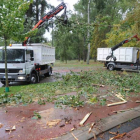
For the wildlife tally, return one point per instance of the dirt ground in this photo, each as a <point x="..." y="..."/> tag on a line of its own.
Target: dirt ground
<point x="54" y="121"/>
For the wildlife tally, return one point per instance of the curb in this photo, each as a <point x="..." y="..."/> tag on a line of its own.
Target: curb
<point x="103" y="125"/>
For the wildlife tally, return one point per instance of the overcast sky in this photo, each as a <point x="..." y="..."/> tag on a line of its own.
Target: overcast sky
<point x="69" y="3"/>
<point x="55" y="3"/>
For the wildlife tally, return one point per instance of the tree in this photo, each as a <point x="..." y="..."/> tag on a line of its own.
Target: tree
<point x="126" y="28"/>
<point x="103" y="13"/>
<point x="12" y="13"/>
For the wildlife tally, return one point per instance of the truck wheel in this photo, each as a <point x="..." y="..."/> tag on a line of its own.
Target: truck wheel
<point x="49" y="73"/>
<point x="111" y="67"/>
<point x="33" y="79"/>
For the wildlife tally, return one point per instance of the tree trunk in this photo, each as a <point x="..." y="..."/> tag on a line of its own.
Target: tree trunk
<point x="6" y="74"/>
<point x="37" y="11"/>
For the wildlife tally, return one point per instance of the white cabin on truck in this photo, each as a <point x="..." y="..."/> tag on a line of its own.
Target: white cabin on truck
<point x="126" y="57"/>
<point x="26" y="63"/>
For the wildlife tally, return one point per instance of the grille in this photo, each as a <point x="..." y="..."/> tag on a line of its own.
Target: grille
<point x="9" y="79"/>
<point x="10" y="70"/>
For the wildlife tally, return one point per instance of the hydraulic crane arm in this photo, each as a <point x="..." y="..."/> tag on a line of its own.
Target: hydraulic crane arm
<point x="47" y="17"/>
<point x="119" y="45"/>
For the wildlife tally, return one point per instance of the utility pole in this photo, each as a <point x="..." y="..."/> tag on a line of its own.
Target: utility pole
<point x="88" y="53"/>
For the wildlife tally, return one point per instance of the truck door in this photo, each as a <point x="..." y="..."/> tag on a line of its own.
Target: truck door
<point x="29" y="61"/>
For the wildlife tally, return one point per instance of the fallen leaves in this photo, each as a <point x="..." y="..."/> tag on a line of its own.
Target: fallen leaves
<point x="118" y="136"/>
<point x="53" y="122"/>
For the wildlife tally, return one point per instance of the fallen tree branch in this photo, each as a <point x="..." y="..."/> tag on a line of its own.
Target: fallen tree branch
<point x="117" y="103"/>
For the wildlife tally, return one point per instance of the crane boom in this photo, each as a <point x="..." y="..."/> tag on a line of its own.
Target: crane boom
<point x="47" y="17"/>
<point x="120" y="44"/>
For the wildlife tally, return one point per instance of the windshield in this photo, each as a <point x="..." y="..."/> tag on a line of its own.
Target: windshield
<point x="13" y="56"/>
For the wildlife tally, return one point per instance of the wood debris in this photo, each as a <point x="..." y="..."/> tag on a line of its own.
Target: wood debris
<point x="118" y="136"/>
<point x="120" y="97"/>
<point x="126" y="89"/>
<point x="99" y="85"/>
<point x="118" y="103"/>
<point x="11" y="129"/>
<point x="85" y="119"/>
<point x="1" y="125"/>
<point x="53" y="122"/>
<point x="138" y="101"/>
<point x="72" y="129"/>
<point x="91" y="127"/>
<point x="62" y="125"/>
<point x="74" y="136"/>
<point x="94" y="135"/>
<point x="113" y="133"/>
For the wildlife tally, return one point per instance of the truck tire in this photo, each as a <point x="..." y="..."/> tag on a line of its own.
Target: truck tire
<point x="33" y="79"/>
<point x="49" y="73"/>
<point x="111" y="67"/>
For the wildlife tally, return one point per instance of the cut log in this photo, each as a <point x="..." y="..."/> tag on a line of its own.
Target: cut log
<point x="85" y="119"/>
<point x="117" y="103"/>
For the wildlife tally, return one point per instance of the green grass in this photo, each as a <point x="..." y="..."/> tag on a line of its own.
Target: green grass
<point x="76" y="63"/>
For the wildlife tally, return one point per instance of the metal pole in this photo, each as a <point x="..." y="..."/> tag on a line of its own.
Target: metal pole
<point x="88" y="53"/>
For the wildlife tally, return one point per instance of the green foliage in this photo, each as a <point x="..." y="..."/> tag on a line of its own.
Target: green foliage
<point x="102" y="102"/>
<point x="36" y="116"/>
<point x="69" y="100"/>
<point x="11" y="20"/>
<point x="126" y="28"/>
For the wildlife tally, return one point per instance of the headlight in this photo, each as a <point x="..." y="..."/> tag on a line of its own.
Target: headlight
<point x="21" y="78"/>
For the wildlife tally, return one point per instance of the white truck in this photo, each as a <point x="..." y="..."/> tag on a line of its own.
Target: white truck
<point x="125" y="57"/>
<point x="26" y="63"/>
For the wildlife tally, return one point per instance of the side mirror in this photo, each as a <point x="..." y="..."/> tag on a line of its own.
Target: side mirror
<point x="31" y="53"/>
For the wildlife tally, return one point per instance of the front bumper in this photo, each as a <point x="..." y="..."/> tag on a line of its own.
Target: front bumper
<point x="14" y="78"/>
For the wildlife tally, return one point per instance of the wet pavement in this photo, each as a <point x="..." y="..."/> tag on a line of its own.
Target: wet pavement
<point x="28" y="128"/>
<point x="131" y="128"/>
